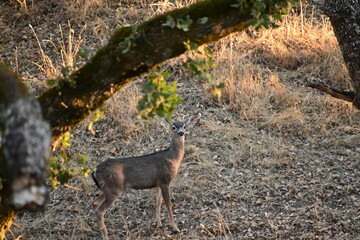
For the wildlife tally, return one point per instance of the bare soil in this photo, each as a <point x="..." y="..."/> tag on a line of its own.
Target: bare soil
<point x="272" y="160"/>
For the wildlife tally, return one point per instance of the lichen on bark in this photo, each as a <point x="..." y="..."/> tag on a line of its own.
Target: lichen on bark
<point x="26" y="146"/>
<point x="24" y="150"/>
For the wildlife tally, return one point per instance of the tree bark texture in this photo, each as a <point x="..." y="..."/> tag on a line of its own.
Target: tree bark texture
<point x="24" y="150"/>
<point x="149" y="44"/>
<point x="344" y="16"/>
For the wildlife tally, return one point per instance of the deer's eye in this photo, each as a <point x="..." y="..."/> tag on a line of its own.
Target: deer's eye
<point x="173" y="127"/>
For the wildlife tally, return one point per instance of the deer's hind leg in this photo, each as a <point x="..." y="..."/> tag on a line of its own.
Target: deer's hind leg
<point x="106" y="199"/>
<point x="98" y="201"/>
<point x="159" y="200"/>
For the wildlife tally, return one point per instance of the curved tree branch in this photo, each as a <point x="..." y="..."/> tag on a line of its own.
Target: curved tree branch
<point x="133" y="51"/>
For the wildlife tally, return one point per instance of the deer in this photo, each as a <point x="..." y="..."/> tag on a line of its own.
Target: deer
<point x="156" y="170"/>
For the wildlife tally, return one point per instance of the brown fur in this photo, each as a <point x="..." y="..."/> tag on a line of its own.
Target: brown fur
<point x="158" y="169"/>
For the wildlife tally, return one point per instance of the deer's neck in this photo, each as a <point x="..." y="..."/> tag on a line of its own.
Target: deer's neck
<point x="177" y="147"/>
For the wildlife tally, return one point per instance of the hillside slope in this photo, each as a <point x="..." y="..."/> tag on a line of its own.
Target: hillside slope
<point x="272" y="160"/>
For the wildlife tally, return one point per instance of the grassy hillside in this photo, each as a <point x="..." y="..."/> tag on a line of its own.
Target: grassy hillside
<point x="272" y="160"/>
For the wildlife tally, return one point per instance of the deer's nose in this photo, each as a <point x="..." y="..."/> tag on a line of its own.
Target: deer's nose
<point x="181" y="133"/>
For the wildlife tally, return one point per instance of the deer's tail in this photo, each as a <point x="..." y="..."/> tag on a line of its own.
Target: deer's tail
<point x="95" y="180"/>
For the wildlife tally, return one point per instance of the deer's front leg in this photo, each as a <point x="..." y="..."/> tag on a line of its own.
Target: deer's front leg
<point x="165" y="190"/>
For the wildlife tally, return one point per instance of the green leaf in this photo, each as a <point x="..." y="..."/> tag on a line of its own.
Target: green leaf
<point x="81" y="159"/>
<point x="51" y="82"/>
<point x="84" y="54"/>
<point x="65" y="140"/>
<point x="159" y="97"/>
<point x="65" y="71"/>
<point x="221" y="85"/>
<point x="259" y="10"/>
<point x="170" y="22"/>
<point x="62" y="169"/>
<point x="203" y="20"/>
<point x="86" y="171"/>
<point x="184" y="24"/>
<point x="65" y="176"/>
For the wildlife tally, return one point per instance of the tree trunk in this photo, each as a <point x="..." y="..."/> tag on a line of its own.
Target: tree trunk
<point x="24" y="152"/>
<point x="344" y="16"/>
<point x="345" y="19"/>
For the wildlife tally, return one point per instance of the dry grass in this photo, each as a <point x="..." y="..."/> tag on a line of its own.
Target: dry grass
<point x="272" y="160"/>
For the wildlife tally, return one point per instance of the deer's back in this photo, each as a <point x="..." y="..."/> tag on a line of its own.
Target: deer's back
<point x="141" y="172"/>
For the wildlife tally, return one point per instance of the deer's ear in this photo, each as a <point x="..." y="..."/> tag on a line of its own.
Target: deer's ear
<point x="168" y="124"/>
<point x="192" y="121"/>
